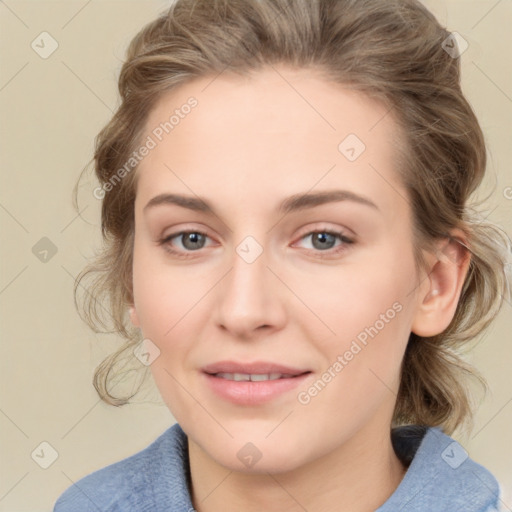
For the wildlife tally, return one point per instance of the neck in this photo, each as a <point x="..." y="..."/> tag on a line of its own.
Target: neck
<point x="358" y="476"/>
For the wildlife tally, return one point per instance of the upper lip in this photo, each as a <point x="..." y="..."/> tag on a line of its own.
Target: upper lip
<point x="255" y="367"/>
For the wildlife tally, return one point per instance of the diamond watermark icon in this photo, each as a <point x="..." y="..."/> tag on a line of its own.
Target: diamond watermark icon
<point x="44" y="455"/>
<point x="454" y="45"/>
<point x="44" y="249"/>
<point x="351" y="147"/>
<point x="44" y="45"/>
<point x="146" y="352"/>
<point x="249" y="249"/>
<point x="454" y="455"/>
<point x="249" y="455"/>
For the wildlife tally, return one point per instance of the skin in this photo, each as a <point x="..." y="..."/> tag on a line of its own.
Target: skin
<point x="249" y="144"/>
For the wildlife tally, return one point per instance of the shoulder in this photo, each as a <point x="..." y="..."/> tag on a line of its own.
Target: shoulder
<point x="441" y="475"/>
<point x="145" y="481"/>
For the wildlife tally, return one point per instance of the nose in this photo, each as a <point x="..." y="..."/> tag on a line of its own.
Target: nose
<point x="250" y="298"/>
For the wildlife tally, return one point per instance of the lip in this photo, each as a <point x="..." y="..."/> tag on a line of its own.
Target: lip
<point x="252" y="367"/>
<point x="249" y="392"/>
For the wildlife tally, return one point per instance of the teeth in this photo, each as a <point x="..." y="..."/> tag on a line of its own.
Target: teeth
<point x="263" y="377"/>
<point x="254" y="377"/>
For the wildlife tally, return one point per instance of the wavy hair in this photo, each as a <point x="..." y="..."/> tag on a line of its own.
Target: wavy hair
<point x="392" y="50"/>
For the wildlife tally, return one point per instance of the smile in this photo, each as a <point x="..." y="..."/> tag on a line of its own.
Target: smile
<point x="252" y="384"/>
<point x="253" y="377"/>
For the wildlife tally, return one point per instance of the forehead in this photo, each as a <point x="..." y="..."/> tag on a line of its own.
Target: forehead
<point x="277" y="131"/>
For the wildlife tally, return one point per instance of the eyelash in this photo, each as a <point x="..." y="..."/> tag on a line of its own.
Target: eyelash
<point x="165" y="243"/>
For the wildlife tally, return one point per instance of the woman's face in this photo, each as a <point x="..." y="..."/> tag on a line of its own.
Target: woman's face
<point x="297" y="271"/>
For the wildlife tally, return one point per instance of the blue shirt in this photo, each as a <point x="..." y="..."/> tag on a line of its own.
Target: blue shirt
<point x="440" y="477"/>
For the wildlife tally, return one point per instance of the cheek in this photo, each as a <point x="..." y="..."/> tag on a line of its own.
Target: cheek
<point x="162" y="293"/>
<point x="174" y="389"/>
<point x="171" y="306"/>
<point x="369" y="310"/>
<point x="354" y="297"/>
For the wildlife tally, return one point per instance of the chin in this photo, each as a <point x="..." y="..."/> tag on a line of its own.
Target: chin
<point x="259" y="456"/>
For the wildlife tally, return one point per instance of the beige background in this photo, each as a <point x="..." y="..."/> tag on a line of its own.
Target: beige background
<point x="51" y="110"/>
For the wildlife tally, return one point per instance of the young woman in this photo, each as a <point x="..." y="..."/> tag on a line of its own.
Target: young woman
<point x="287" y="228"/>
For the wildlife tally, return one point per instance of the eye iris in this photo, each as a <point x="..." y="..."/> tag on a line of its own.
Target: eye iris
<point x="194" y="238"/>
<point x="321" y="237"/>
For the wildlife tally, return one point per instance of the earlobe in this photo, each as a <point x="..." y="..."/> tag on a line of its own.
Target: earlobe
<point x="133" y="317"/>
<point x="438" y="298"/>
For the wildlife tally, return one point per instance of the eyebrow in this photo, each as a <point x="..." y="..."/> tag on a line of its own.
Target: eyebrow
<point x="291" y="204"/>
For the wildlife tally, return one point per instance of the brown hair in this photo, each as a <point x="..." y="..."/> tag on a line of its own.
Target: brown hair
<point x="391" y="50"/>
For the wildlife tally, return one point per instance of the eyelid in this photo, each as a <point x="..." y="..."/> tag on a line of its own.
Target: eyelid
<point x="321" y="227"/>
<point x="341" y="233"/>
<point x="176" y="234"/>
<point x="173" y="231"/>
<point x="164" y="242"/>
<point x="324" y="227"/>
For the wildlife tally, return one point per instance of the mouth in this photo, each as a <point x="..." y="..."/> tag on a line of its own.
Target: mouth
<point x="253" y="377"/>
<point x="252" y="383"/>
<point x="254" y="368"/>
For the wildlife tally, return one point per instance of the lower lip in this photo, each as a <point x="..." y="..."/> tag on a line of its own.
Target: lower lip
<point x="252" y="393"/>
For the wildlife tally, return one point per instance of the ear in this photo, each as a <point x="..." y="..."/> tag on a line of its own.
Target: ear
<point x="133" y="316"/>
<point x="440" y="290"/>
